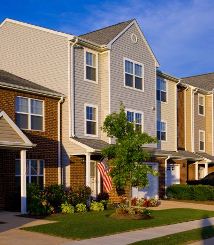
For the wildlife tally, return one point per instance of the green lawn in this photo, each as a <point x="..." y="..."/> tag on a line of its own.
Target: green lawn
<point x="181" y="238"/>
<point x="91" y="224"/>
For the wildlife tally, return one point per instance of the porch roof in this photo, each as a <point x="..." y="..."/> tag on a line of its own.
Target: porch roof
<point x="10" y="134"/>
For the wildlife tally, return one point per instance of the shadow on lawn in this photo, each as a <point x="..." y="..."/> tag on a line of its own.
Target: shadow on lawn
<point x="207" y="230"/>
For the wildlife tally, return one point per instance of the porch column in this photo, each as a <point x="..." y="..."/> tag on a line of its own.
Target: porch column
<point x="88" y="169"/>
<point x="23" y="182"/>
<point x="206" y="169"/>
<point x="98" y="182"/>
<point x="196" y="171"/>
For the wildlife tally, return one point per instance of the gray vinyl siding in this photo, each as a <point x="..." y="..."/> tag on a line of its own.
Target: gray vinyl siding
<point x="199" y="122"/>
<point x="85" y="93"/>
<point x="133" y="99"/>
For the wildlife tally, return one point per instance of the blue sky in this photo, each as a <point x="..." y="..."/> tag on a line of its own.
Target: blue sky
<point x="180" y="32"/>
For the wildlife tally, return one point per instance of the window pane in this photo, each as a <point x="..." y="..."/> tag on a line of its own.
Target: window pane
<point x="36" y="107"/>
<point x="163" y="96"/>
<point x="129" y="80"/>
<point x="90" y="113"/>
<point x="138" y="118"/>
<point x="163" y="126"/>
<point x="17" y="171"/>
<point x="201" y="146"/>
<point x="36" y="122"/>
<point x="158" y="84"/>
<point x="90" y="73"/>
<point x="22" y="120"/>
<point x="163" y="85"/>
<point x="41" y="167"/>
<point x="138" y="70"/>
<point x="158" y="94"/>
<point x="130" y="116"/>
<point x="33" y="167"/>
<point x="201" y="100"/>
<point x="21" y="104"/>
<point x="163" y="135"/>
<point x="128" y="67"/>
<point x="138" y="83"/>
<point x="89" y="59"/>
<point x="91" y="127"/>
<point x="138" y="127"/>
<point x="201" y="109"/>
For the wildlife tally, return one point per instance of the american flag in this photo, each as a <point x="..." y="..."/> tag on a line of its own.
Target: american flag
<point x="104" y="171"/>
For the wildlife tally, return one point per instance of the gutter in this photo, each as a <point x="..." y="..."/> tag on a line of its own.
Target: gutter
<point x="59" y="142"/>
<point x="193" y="92"/>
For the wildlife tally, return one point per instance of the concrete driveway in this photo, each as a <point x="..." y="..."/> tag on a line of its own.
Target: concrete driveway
<point x="10" y="234"/>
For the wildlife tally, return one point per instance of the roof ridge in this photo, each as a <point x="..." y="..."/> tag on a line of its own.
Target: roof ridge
<point x="107" y="27"/>
<point x="199" y="75"/>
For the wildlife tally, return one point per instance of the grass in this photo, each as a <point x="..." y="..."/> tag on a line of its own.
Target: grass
<point x="181" y="238"/>
<point x="91" y="224"/>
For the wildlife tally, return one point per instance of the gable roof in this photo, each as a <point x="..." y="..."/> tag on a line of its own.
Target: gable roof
<point x="12" y="81"/>
<point x="24" y="143"/>
<point x="203" y="81"/>
<point x="104" y="35"/>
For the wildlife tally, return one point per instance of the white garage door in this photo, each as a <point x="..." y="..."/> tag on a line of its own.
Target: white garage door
<point x="173" y="174"/>
<point x="152" y="189"/>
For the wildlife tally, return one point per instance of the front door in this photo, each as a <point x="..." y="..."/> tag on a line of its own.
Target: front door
<point x="173" y="174"/>
<point x="93" y="178"/>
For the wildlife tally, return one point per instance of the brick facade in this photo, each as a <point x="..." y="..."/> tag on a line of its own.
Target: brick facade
<point x="46" y="143"/>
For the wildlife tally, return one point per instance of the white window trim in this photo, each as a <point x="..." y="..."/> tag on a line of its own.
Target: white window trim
<point x="39" y="175"/>
<point x="31" y="114"/>
<point x="135" y="111"/>
<point x="96" y="55"/>
<point x="199" y="139"/>
<point x="202" y="96"/>
<point x="124" y="74"/>
<point x="85" y="116"/>
<point x="160" y="101"/>
<point x="163" y="121"/>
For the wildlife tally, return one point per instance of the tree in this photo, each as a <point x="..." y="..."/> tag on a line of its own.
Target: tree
<point x="127" y="156"/>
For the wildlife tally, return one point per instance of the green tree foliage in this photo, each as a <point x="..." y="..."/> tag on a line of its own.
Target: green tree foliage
<point x="127" y="156"/>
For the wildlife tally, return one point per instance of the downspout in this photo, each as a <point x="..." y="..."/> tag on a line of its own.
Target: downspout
<point x="185" y="120"/>
<point x="72" y="89"/>
<point x="165" y="187"/>
<point x="193" y="92"/>
<point x="176" y="115"/>
<point x="59" y="142"/>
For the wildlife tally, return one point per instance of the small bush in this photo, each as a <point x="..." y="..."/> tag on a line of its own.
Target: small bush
<point x="96" y="206"/>
<point x="67" y="208"/>
<point x="191" y="192"/>
<point x="81" y="208"/>
<point x="103" y="196"/>
<point x="143" y="202"/>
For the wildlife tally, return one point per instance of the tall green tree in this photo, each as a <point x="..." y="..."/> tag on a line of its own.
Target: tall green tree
<point x="127" y="156"/>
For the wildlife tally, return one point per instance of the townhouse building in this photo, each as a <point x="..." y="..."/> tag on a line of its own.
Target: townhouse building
<point x="29" y="132"/>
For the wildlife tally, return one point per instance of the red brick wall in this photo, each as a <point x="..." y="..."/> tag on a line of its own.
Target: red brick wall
<point x="77" y="171"/>
<point x="46" y="141"/>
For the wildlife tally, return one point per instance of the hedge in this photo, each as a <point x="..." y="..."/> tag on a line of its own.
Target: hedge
<point x="191" y="192"/>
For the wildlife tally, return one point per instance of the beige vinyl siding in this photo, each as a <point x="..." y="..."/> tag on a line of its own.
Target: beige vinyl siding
<point x="199" y="122"/>
<point x="104" y="83"/>
<point x="167" y="112"/>
<point x="145" y="101"/>
<point x="188" y="120"/>
<point x="85" y="93"/>
<point x="208" y="124"/>
<point x="7" y="133"/>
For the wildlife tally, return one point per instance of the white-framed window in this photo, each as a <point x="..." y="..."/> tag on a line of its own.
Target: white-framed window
<point x="201" y="140"/>
<point x="161" y="93"/>
<point x="29" y="113"/>
<point x="91" y="120"/>
<point x="136" y="118"/>
<point x="201" y="104"/>
<point x="35" y="172"/>
<point x="133" y="74"/>
<point x="161" y="130"/>
<point x="91" y="63"/>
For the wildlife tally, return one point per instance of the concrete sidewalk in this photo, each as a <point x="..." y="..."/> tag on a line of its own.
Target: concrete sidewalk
<point x="145" y="234"/>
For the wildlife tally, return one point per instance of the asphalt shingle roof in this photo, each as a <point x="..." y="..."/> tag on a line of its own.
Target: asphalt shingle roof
<point x="105" y="35"/>
<point x="13" y="81"/>
<point x="93" y="143"/>
<point x="203" y="81"/>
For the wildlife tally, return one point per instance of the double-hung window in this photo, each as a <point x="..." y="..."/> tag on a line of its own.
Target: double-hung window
<point x="90" y="66"/>
<point x="201" y="104"/>
<point x="161" y="90"/>
<point x="35" y="172"/>
<point x="201" y="140"/>
<point x="136" y="119"/>
<point x="29" y="113"/>
<point x="91" y="120"/>
<point x="133" y="75"/>
<point x="161" y="131"/>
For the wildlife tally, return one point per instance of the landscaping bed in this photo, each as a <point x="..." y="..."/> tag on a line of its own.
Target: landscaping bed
<point x="95" y="224"/>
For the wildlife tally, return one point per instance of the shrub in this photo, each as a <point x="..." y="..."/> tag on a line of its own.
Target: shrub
<point x="103" y="196"/>
<point x="81" y="208"/>
<point x="191" y="192"/>
<point x="96" y="206"/>
<point x="133" y="210"/>
<point x="143" y="202"/>
<point x="67" y="208"/>
<point x="80" y="195"/>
